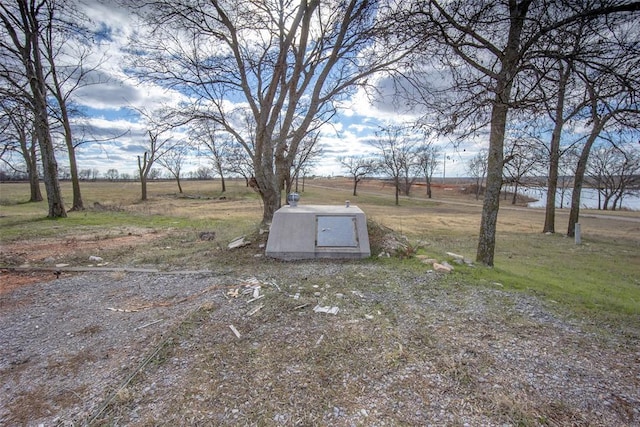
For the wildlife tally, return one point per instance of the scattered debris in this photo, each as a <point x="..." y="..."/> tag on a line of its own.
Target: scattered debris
<point x="298" y="307"/>
<point x="121" y="310"/>
<point x="62" y="265"/>
<point x="149" y="324"/>
<point x="254" y="310"/>
<point x="326" y="309"/>
<point x="453" y="255"/>
<point x="238" y="243"/>
<point x="234" y="330"/>
<point x="319" y="340"/>
<point x="95" y="258"/>
<point x="256" y="298"/>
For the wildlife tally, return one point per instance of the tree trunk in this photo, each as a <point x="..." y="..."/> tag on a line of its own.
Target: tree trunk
<point x="35" y="75"/>
<point x="34" y="179"/>
<point x="143" y="170"/>
<point x="578" y="179"/>
<point x="221" y="173"/>
<point x="491" y="203"/>
<point x="143" y="183"/>
<point x="269" y="188"/>
<point x="49" y="164"/>
<point x="73" y="165"/>
<point x="499" y="112"/>
<point x="179" y="184"/>
<point x="31" y="159"/>
<point x="514" y="199"/>
<point x="355" y="186"/>
<point x="428" y="187"/>
<point x="554" y="156"/>
<point x="50" y="169"/>
<point x="397" y="191"/>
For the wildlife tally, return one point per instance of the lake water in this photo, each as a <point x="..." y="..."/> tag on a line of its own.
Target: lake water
<point x="588" y="198"/>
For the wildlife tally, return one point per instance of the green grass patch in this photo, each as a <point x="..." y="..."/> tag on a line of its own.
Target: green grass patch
<point x="596" y="279"/>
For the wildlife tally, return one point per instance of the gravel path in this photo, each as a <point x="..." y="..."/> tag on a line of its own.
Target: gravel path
<point x="405" y="348"/>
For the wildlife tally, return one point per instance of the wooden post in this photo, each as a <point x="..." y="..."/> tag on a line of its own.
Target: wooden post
<point x="577" y="233"/>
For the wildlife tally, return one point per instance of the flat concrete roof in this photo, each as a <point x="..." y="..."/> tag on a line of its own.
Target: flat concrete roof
<point x="318" y="231"/>
<point x="320" y="209"/>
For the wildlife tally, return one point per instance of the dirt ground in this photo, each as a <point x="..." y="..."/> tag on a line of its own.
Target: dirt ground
<point x="231" y="346"/>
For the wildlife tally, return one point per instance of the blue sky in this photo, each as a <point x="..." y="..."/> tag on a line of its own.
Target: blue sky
<point x="110" y="109"/>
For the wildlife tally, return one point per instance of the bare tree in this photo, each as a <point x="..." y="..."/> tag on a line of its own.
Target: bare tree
<point x="612" y="100"/>
<point x="204" y="173"/>
<point x="239" y="162"/>
<point x="614" y="170"/>
<point x="397" y="157"/>
<point x="217" y="145"/>
<point x="522" y="158"/>
<point x="477" y="169"/>
<point x="427" y="156"/>
<point x="112" y="175"/>
<point x="65" y="49"/>
<point x="490" y="47"/>
<point x="358" y="167"/>
<point x="284" y="63"/>
<point x="304" y="160"/>
<point x="602" y="45"/>
<point x="18" y="135"/>
<point x="23" y="68"/>
<point x="173" y="161"/>
<point x="155" y="150"/>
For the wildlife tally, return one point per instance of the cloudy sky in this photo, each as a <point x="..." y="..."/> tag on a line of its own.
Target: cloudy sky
<point x="115" y="133"/>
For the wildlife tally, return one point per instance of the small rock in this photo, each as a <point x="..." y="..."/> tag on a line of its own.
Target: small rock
<point x="426" y="259"/>
<point x="95" y="258"/>
<point x="442" y="268"/>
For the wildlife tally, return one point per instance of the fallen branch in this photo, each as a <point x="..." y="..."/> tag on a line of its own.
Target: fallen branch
<point x="149" y="324"/>
<point x="235" y="331"/>
<point x="254" y="310"/>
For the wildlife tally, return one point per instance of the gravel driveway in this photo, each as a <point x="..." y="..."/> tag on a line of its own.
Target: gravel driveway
<point x="405" y="348"/>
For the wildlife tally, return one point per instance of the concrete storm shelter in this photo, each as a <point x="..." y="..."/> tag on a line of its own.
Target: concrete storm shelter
<point x="317" y="231"/>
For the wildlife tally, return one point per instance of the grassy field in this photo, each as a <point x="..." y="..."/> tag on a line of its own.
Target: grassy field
<point x="547" y="337"/>
<point x="600" y="277"/>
